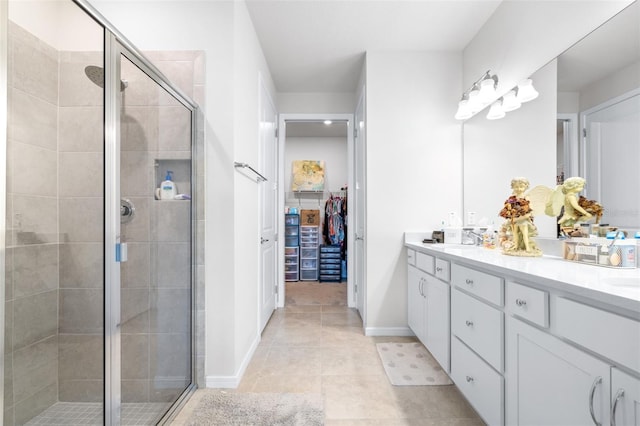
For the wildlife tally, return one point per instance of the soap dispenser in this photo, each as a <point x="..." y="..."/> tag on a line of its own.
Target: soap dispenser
<point x="168" y="188"/>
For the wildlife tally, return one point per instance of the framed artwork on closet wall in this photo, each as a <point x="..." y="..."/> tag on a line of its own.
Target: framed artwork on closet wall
<point x="307" y="175"/>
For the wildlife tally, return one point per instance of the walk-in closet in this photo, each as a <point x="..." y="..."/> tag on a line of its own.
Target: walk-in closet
<point x="316" y="168"/>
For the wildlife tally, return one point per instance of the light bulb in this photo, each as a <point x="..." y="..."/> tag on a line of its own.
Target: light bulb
<point x="526" y="92"/>
<point x="510" y="101"/>
<point x="487" y="89"/>
<point x="496" y="111"/>
<point x="463" y="110"/>
<point x="475" y="104"/>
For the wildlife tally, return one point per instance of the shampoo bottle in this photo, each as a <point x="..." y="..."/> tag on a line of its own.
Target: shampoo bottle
<point x="168" y="188"/>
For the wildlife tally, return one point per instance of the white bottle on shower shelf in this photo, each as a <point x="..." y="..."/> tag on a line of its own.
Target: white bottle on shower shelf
<point x="167" y="190"/>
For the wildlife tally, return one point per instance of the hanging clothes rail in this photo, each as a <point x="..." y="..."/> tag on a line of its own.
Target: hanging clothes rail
<point x="246" y="166"/>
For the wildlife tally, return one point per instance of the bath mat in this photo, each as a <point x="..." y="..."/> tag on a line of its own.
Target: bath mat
<point x="410" y="364"/>
<point x="217" y="407"/>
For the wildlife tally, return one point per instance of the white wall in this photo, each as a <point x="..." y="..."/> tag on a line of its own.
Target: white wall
<point x="316" y="103"/>
<point x="331" y="150"/>
<point x="623" y="81"/>
<point x="222" y="30"/>
<point x="414" y="174"/>
<point x="521" y="144"/>
<point x="522" y="36"/>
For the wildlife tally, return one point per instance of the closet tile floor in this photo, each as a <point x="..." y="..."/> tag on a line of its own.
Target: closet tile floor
<point x="316" y="344"/>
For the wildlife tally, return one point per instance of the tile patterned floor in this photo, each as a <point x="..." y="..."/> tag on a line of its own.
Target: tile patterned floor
<point x="316" y="344"/>
<point x="89" y="413"/>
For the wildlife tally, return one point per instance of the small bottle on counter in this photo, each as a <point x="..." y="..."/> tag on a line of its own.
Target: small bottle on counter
<point x="603" y="255"/>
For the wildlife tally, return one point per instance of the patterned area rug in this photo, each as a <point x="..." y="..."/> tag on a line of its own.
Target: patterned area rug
<point x="258" y="409"/>
<point x="410" y="364"/>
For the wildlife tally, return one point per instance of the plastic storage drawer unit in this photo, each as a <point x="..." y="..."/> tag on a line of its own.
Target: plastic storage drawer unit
<point x="330" y="264"/>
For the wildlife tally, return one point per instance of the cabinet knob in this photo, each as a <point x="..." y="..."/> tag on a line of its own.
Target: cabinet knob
<point x="469" y="379"/>
<point x="469" y="323"/>
<point x="439" y="269"/>
<point x="521" y="302"/>
<point x="469" y="281"/>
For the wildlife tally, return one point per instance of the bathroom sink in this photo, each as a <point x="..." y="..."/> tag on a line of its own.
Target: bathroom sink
<point x="622" y="281"/>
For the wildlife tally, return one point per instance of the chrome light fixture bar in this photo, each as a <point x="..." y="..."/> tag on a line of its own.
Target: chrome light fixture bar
<point x="482" y="93"/>
<point x="478" y="96"/>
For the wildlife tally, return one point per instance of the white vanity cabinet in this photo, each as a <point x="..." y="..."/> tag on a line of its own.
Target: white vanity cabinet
<point x="625" y="399"/>
<point x="551" y="382"/>
<point x="477" y="328"/>
<point x="415" y="301"/>
<point x="428" y="304"/>
<point x="586" y="382"/>
<point x="537" y="341"/>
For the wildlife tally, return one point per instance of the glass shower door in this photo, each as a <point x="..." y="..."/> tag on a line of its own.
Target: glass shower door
<point x="156" y="251"/>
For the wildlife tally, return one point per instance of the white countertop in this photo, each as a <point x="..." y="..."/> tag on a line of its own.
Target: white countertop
<point x="619" y="287"/>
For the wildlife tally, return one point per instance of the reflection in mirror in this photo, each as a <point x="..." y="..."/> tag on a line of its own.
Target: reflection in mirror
<point x="599" y="93"/>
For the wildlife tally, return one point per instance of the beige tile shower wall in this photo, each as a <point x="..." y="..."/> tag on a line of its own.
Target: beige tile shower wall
<point x="81" y="205"/>
<point x="31" y="293"/>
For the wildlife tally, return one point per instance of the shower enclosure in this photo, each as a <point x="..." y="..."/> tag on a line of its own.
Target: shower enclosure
<point x="98" y="272"/>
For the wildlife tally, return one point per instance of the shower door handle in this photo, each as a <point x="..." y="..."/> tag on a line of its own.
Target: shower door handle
<point x="121" y="252"/>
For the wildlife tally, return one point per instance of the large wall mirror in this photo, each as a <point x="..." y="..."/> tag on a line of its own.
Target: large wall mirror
<point x="599" y="87"/>
<point x="595" y="83"/>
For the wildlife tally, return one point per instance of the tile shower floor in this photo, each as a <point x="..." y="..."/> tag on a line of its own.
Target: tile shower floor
<point x="89" y="413"/>
<point x="316" y="345"/>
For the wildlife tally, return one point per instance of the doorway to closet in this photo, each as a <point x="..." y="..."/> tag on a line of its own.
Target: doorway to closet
<point x="314" y="261"/>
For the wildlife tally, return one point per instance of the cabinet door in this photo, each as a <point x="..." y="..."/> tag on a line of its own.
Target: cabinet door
<point x="626" y="390"/>
<point x="415" y="304"/>
<point x="437" y="320"/>
<point x="552" y="383"/>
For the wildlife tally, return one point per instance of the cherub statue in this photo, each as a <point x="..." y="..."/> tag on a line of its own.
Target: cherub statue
<point x="577" y="210"/>
<point x="519" y="214"/>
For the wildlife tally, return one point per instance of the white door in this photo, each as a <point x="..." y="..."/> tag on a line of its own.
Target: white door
<point x="437" y="329"/>
<point x="415" y="307"/>
<point x="268" y="196"/>
<point x="553" y="383"/>
<point x="612" y="132"/>
<point x="359" y="207"/>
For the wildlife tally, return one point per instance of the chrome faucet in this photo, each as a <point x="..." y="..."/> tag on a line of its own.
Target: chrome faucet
<point x="470" y="237"/>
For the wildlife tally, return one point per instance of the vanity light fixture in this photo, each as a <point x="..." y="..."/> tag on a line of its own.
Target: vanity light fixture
<point x="496" y="110"/>
<point x="464" y="111"/>
<point x="488" y="88"/>
<point x="526" y="91"/>
<point x="483" y="91"/>
<point x="327" y="122"/>
<point x="478" y="96"/>
<point x="510" y="101"/>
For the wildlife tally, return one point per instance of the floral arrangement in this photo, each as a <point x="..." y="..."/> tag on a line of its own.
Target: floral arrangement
<point x="514" y="208"/>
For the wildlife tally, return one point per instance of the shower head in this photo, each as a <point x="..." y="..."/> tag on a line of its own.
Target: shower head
<point x="96" y="74"/>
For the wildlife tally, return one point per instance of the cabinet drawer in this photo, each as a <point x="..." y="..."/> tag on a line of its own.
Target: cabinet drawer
<point x="478" y="325"/>
<point x="608" y="334"/>
<point x="483" y="285"/>
<point x="528" y="303"/>
<point x="411" y="257"/>
<point x="424" y="262"/>
<point x="442" y="269"/>
<point x="481" y="385"/>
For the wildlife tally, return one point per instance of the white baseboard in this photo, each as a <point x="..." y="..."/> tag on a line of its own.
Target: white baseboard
<point x="388" y="331"/>
<point x="232" y="382"/>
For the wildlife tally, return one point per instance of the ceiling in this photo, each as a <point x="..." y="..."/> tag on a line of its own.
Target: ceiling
<point x="297" y="129"/>
<point x="319" y="45"/>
